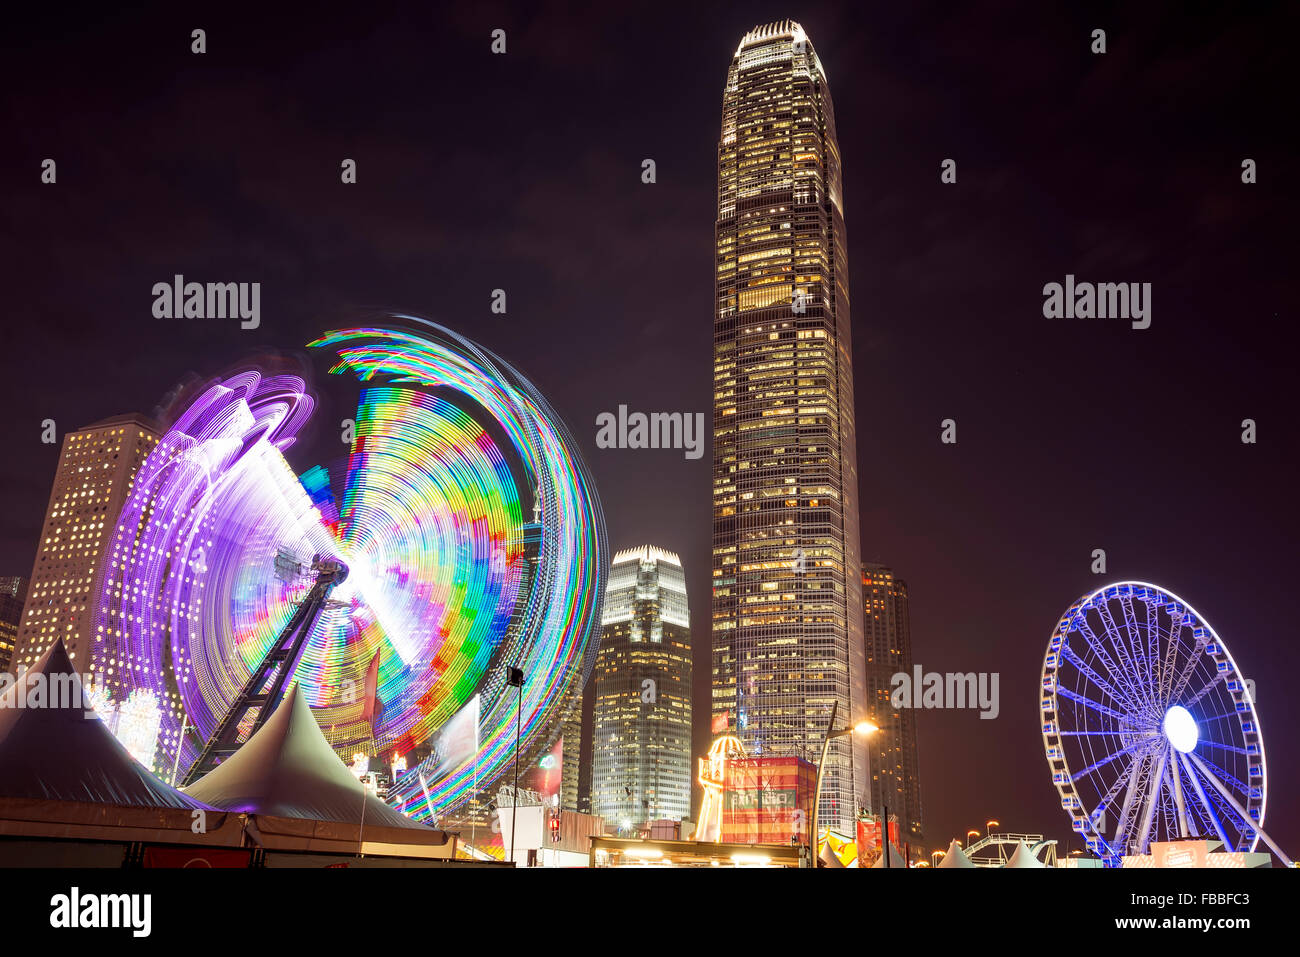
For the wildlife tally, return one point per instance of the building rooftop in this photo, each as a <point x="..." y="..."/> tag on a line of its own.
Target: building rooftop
<point x="126" y="418"/>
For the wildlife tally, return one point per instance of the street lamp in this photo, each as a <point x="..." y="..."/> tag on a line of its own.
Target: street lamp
<point x="989" y="824"/>
<point x="862" y="727"/>
<point x="969" y="835"/>
<point x="936" y="857"/>
<point x="515" y="679"/>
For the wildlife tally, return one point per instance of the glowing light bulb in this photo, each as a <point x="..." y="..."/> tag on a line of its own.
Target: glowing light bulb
<point x="1180" y="728"/>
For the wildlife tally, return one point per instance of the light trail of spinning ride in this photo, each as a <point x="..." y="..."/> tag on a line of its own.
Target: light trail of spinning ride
<point x="451" y="445"/>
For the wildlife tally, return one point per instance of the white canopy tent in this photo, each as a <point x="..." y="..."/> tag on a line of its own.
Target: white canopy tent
<point x="895" y="858"/>
<point x="955" y="857"/>
<point x="1023" y="857"/>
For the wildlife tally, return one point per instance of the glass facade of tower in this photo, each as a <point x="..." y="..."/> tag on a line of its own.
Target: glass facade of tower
<point x="641" y="723"/>
<point x="895" y="774"/>
<point x="787" y="621"/>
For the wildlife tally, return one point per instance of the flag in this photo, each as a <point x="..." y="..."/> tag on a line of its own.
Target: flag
<point x="457" y="740"/>
<point x="428" y="801"/>
<point x="720" y="723"/>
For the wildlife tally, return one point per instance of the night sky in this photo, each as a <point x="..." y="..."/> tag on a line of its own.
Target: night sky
<point x="522" y="172"/>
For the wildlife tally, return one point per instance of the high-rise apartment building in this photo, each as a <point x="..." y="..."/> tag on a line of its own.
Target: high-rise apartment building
<point x="787" y="601"/>
<point x="571" y="775"/>
<point x="895" y="774"/>
<point x="97" y="467"/>
<point x="641" y="719"/>
<point x="13" y="595"/>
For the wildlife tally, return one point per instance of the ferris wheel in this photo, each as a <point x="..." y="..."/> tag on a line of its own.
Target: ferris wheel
<point x="1149" y="726"/>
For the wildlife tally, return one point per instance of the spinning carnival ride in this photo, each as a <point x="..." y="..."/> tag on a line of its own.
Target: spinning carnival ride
<point x="465" y="538"/>
<point x="1150" y="729"/>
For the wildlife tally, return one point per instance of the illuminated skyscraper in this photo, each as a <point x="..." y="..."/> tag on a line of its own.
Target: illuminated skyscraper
<point x="787" y="619"/>
<point x="13" y="595"/>
<point x="641" y="725"/>
<point x="97" y="467"/>
<point x="571" y="784"/>
<point x="895" y="775"/>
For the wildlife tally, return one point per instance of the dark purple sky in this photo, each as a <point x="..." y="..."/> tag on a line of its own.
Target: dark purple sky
<point x="523" y="172"/>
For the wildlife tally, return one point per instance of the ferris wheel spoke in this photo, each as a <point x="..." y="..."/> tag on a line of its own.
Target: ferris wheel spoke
<point x="1107" y="800"/>
<point x="1153" y="799"/>
<point x="1118" y="675"/>
<point x="1205" y="825"/>
<point x="1116" y="641"/>
<point x="1250" y="827"/>
<point x="1209" y="767"/>
<point x="1072" y="656"/>
<point x="1176" y="789"/>
<point x="1097" y="765"/>
<point x="1189" y="668"/>
<point x="1228" y="811"/>
<point x="1120" y="782"/>
<point x="1132" y="800"/>
<point x="1219" y="717"/>
<point x="1169" y="663"/>
<point x="1134" y="630"/>
<point x="1130" y="668"/>
<point x="1205" y="806"/>
<point x="1209" y="686"/>
<point x="1219" y="745"/>
<point x="1087" y="702"/>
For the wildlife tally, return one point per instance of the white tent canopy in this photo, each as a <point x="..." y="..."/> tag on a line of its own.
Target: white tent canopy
<point x="895" y="858"/>
<point x="955" y="857"/>
<point x="288" y="769"/>
<point x="828" y="857"/>
<point x="1023" y="857"/>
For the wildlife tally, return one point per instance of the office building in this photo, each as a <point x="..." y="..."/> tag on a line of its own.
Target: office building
<point x="787" y="605"/>
<point x="641" y="687"/>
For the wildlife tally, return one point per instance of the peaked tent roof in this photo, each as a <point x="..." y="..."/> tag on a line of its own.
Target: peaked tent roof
<point x="896" y="859"/>
<point x="288" y="769"/>
<point x="1023" y="857"/>
<point x="955" y="857"/>
<point x="59" y="750"/>
<point x="829" y="857"/>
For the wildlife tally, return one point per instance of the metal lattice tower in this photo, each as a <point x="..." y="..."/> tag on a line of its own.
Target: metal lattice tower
<point x="276" y="667"/>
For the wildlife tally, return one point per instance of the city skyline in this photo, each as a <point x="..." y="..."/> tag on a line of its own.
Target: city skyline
<point x="1068" y="431"/>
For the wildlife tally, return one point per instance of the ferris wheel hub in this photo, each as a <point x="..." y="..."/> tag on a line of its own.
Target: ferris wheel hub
<point x="1180" y="728"/>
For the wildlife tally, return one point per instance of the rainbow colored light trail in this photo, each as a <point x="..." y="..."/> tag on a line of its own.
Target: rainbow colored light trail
<point x="450" y="445"/>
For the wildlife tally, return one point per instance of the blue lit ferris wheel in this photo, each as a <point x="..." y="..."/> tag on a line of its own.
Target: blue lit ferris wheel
<point x="1149" y="726"/>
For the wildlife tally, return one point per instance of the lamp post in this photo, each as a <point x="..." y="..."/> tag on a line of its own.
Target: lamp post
<point x="516" y="680"/>
<point x="862" y="727"/>
<point x="989" y="824"/>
